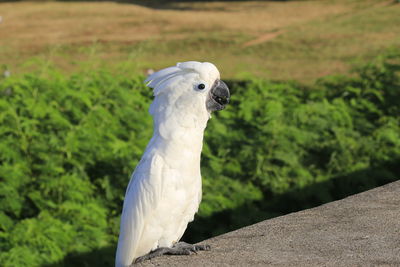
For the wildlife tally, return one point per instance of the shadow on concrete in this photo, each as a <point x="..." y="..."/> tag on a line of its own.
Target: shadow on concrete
<point x="271" y="206"/>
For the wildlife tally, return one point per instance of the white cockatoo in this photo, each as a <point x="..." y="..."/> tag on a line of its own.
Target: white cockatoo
<point x="164" y="192"/>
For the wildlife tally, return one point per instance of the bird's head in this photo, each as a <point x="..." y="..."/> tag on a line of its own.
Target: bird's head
<point x="189" y="86"/>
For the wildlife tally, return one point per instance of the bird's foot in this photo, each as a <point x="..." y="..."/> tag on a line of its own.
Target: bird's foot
<point x="183" y="246"/>
<point x="180" y="248"/>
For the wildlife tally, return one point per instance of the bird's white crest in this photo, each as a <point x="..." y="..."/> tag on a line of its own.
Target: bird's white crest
<point x="165" y="189"/>
<point x="162" y="78"/>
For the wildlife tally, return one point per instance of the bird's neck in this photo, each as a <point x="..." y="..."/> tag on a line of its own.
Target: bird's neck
<point x="178" y="129"/>
<point x="182" y="138"/>
<point x="180" y="144"/>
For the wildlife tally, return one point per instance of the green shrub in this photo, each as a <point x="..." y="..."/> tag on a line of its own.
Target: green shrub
<point x="68" y="145"/>
<point x="70" y="142"/>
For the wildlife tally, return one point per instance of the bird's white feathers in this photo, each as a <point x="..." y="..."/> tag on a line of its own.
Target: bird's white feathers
<point x="165" y="189"/>
<point x="161" y="80"/>
<point x="142" y="194"/>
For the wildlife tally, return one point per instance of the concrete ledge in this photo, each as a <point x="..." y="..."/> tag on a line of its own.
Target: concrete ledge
<point x="360" y="230"/>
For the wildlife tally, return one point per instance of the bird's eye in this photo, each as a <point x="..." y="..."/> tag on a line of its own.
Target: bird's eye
<point x="201" y="86"/>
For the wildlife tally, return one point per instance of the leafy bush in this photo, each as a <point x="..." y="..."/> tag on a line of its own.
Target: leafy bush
<point x="301" y="147"/>
<point x="70" y="142"/>
<point x="68" y="145"/>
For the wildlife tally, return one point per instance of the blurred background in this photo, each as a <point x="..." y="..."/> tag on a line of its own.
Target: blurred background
<point x="315" y="112"/>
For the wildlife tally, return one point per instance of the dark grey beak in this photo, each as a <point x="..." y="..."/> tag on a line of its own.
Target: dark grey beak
<point x="218" y="97"/>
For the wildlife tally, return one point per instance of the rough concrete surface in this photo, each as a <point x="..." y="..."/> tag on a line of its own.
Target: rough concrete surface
<point x="360" y="230"/>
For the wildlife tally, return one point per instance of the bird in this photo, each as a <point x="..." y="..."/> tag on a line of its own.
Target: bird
<point x="165" y="189"/>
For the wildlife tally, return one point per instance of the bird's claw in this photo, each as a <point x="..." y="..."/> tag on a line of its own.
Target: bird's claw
<point x="180" y="248"/>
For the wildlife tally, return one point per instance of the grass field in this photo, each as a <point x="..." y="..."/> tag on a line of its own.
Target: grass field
<point x="300" y="40"/>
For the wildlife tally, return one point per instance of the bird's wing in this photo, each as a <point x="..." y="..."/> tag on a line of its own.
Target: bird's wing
<point x="142" y="196"/>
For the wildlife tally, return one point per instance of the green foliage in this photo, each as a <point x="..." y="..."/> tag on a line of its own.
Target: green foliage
<point x="301" y="147"/>
<point x="69" y="144"/>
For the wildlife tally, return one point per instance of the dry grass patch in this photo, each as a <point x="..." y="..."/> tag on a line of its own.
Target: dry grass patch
<point x="242" y="37"/>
